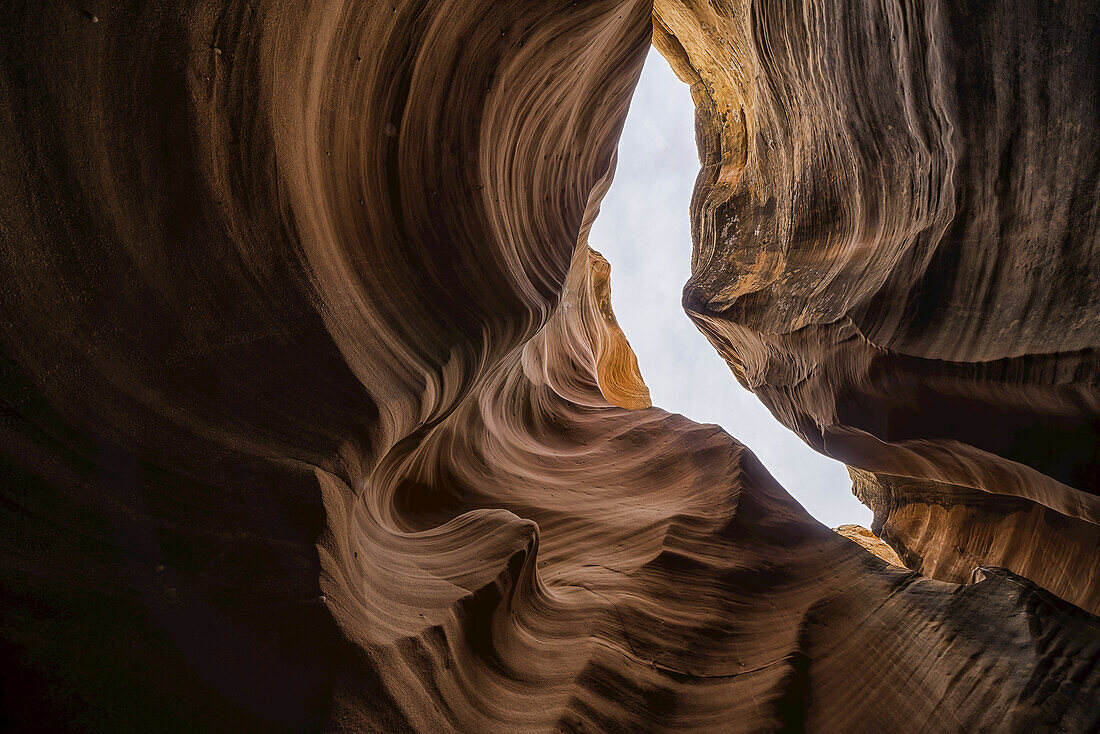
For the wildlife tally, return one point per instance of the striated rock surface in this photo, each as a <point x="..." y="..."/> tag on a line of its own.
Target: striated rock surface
<point x="314" y="413"/>
<point x="946" y="531"/>
<point x="896" y="249"/>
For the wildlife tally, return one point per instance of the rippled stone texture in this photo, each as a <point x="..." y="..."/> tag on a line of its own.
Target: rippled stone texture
<point x="315" y="414"/>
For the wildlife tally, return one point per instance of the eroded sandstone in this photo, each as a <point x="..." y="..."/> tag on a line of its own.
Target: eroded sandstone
<point x="896" y="249"/>
<point x="315" y="415"/>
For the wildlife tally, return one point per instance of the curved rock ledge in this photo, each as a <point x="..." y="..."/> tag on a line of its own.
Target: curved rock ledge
<point x="315" y="415"/>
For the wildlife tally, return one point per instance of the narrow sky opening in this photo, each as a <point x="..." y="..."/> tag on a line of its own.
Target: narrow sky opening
<point x="643" y="229"/>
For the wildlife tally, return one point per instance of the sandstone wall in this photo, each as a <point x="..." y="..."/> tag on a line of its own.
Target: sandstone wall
<point x="315" y="416"/>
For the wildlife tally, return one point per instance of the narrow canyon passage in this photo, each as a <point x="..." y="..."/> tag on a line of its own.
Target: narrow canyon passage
<point x="644" y="230"/>
<point x="315" y="414"/>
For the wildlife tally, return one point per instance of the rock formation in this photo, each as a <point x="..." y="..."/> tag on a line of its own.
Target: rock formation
<point x="315" y="415"/>
<point x="871" y="542"/>
<point x="897" y="248"/>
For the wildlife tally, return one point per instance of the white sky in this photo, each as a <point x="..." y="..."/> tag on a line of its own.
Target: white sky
<point x="643" y="230"/>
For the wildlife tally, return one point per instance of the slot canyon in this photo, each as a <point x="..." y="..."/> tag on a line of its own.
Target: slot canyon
<point x="315" y="414"/>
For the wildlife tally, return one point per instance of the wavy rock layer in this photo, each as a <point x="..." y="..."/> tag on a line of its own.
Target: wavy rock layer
<point x="315" y="414"/>
<point x="897" y="244"/>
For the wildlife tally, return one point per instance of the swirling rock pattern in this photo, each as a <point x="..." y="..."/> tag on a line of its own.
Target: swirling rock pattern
<point x="315" y="415"/>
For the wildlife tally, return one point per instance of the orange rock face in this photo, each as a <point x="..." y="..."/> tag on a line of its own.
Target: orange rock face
<point x="315" y="415"/>
<point x="871" y="542"/>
